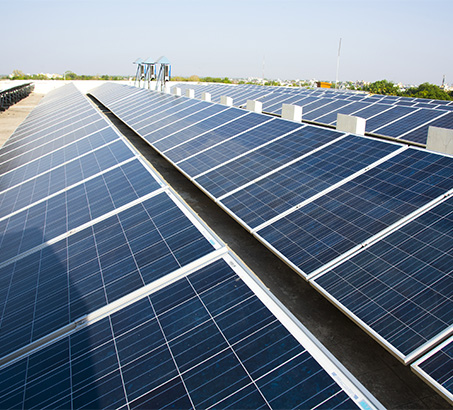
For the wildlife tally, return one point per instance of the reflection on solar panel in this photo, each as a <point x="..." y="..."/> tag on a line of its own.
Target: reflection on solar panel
<point x="316" y="196"/>
<point x="290" y="186"/>
<point x="436" y="368"/>
<point x="400" y="287"/>
<point x="204" y="340"/>
<point x="344" y="218"/>
<point x="113" y="292"/>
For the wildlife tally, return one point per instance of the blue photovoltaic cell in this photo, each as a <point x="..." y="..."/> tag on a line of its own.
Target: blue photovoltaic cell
<point x="333" y="224"/>
<point x="236" y="146"/>
<point x="334" y="105"/>
<point x="371" y="110"/>
<point x="386" y="117"/>
<point x="401" y="286"/>
<point x="197" y="129"/>
<point x="149" y="132"/>
<point x="179" y="106"/>
<point x="397" y="128"/>
<point x="19" y="173"/>
<point x="439" y="366"/>
<point x="265" y="159"/>
<point x="70" y="209"/>
<point x="420" y="135"/>
<point x="331" y="118"/>
<point x="55" y="286"/>
<point x="204" y="341"/>
<point x="32" y="151"/>
<point x="292" y="185"/>
<point x="216" y="136"/>
<point x="35" y="139"/>
<point x="181" y="124"/>
<point x="63" y="177"/>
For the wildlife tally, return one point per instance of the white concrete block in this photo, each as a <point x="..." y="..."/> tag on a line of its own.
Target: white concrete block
<point x="176" y="91"/>
<point x="167" y="89"/>
<point x="226" y="100"/>
<point x="349" y="123"/>
<point x="255" y="106"/>
<point x="292" y="112"/>
<point x="440" y="140"/>
<point x="190" y="93"/>
<point x="206" y="97"/>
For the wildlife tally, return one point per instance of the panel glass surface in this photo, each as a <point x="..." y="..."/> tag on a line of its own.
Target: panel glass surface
<point x="295" y="183"/>
<point x="439" y="368"/>
<point x="214" y="137"/>
<point x="401" y="287"/>
<point x="331" y="225"/>
<point x="63" y="177"/>
<point x="48" y="289"/>
<point x="265" y="159"/>
<point x="204" y="341"/>
<point x="70" y="209"/>
<point x="20" y="173"/>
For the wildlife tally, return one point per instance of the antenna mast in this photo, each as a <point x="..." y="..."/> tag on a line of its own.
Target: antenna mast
<point x="338" y="64"/>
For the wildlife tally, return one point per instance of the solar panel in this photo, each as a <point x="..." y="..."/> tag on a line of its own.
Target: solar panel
<point x="20" y="171"/>
<point x="220" y="135"/>
<point x="420" y="134"/>
<point x="278" y="192"/>
<point x="74" y="276"/>
<point x="436" y="368"/>
<point x="400" y="287"/>
<point x="265" y="159"/>
<point x="387" y="117"/>
<point x="62" y="177"/>
<point x="67" y="210"/>
<point x="406" y="124"/>
<point x="204" y="340"/>
<point x="326" y="228"/>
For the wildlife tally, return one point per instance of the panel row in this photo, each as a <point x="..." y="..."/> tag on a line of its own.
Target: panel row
<point x="113" y="293"/>
<point x="317" y="197"/>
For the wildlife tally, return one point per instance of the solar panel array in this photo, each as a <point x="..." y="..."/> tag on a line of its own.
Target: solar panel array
<point x="114" y="294"/>
<point x="402" y="118"/>
<point x="344" y="211"/>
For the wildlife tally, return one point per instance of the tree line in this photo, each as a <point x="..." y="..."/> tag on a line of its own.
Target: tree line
<point x="425" y="90"/>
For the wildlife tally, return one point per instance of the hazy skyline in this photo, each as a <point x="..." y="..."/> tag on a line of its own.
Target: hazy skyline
<point x="399" y="40"/>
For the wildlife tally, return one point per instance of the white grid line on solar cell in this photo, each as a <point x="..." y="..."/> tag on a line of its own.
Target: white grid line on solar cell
<point x="205" y="132"/>
<point x="56" y="118"/>
<point x="338" y="374"/>
<point x="181" y="104"/>
<point x="193" y="124"/>
<point x="275" y="170"/>
<point x="69" y="187"/>
<point x="36" y="144"/>
<point x="141" y="105"/>
<point x="17" y="144"/>
<point x="422" y="125"/>
<point x="329" y="189"/>
<point x="62" y="164"/>
<point x="416" y="367"/>
<point x="176" y="121"/>
<point x="225" y="140"/>
<point x="324" y="270"/>
<point x="375" y="131"/>
<point x="248" y="152"/>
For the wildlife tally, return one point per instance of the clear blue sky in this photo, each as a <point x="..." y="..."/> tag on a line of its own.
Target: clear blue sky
<point x="405" y="41"/>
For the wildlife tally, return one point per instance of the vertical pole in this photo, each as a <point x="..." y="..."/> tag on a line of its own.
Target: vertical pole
<point x="338" y="64"/>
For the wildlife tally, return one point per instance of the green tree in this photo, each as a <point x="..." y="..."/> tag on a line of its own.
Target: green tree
<point x="382" y="87"/>
<point x="427" y="90"/>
